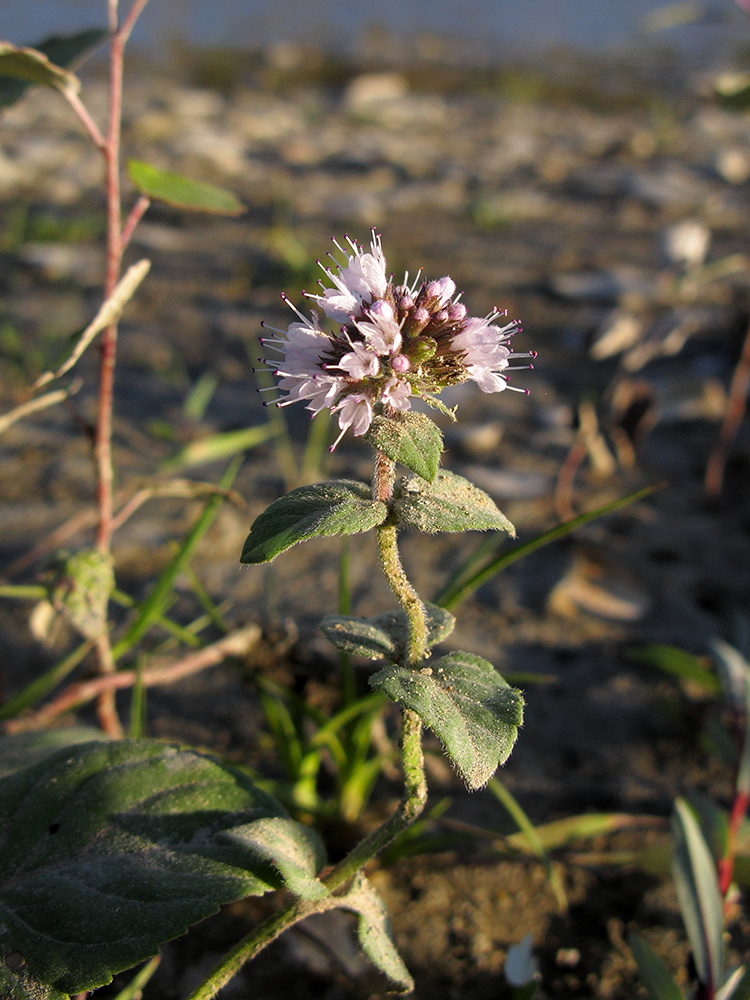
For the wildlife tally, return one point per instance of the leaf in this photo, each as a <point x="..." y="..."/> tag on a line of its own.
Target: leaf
<point x="109" y="849"/>
<point x="384" y="636"/>
<point x="409" y="438"/>
<point x="294" y="850"/>
<point x="450" y="503"/>
<point x="467" y="578"/>
<point x="736" y="986"/>
<point x="60" y="51"/>
<point x="342" y="507"/>
<point x="182" y="192"/>
<point x="698" y="894"/>
<point x="374" y="932"/>
<point x="654" y="974"/>
<point x="17" y="984"/>
<point x="467" y="704"/>
<point x="677" y="662"/>
<point x="32" y="66"/>
<point x="24" y="749"/>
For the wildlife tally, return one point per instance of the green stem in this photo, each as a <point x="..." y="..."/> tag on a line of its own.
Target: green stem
<point x="390" y="561"/>
<point x="411" y="805"/>
<point x="412" y="756"/>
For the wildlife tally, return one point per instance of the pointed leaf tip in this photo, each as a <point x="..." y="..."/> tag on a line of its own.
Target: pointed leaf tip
<point x="450" y="503"/>
<point x="342" y="507"/>
<point x="467" y="704"/>
<point x="182" y="192"/>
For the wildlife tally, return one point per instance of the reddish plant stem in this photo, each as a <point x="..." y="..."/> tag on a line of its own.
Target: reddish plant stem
<point x="103" y="446"/>
<point x="81" y="692"/>
<point x="726" y="864"/>
<point x="116" y="242"/>
<point x="732" y="419"/>
<point x="136" y="214"/>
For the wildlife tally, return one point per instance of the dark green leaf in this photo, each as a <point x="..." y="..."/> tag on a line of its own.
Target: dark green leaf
<point x="468" y="705"/>
<point x="342" y="507"/>
<point x="384" y="636"/>
<point x="109" y="849"/>
<point x="61" y="51"/>
<point x="16" y="983"/>
<point x="374" y="931"/>
<point x="409" y="438"/>
<point x="295" y="851"/>
<point x="450" y="503"/>
<point x="181" y="192"/>
<point x="654" y="974"/>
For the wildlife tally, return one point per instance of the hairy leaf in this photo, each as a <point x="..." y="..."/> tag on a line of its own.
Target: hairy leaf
<point x="409" y="438"/>
<point x="24" y="749"/>
<point x="468" y="705"/>
<point x="62" y="52"/>
<point x="342" y="507"/>
<point x="374" y="932"/>
<point x="16" y="983"/>
<point x="109" y="849"/>
<point x="450" y="503"/>
<point x="384" y="636"/>
<point x="182" y="192"/>
<point x="295" y="851"/>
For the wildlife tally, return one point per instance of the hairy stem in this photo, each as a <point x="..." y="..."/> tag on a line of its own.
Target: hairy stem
<point x="390" y="561"/>
<point x="411" y="805"/>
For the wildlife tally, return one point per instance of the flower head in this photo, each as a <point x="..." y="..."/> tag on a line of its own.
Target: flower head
<point x="386" y="343"/>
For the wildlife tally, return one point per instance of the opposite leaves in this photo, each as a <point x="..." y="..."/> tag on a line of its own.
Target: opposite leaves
<point x="384" y="636"/>
<point x="342" y="507"/>
<point x="467" y="704"/>
<point x="450" y="503"/>
<point x="109" y="849"/>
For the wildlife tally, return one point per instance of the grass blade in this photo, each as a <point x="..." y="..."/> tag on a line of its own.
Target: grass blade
<point x="466" y="579"/>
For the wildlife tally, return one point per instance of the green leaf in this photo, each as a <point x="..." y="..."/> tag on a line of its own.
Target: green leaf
<point x="342" y="507"/>
<point x="17" y="984"/>
<point x="375" y="933"/>
<point x="468" y="578"/>
<point x="698" y="894"/>
<point x="384" y="636"/>
<point x="109" y="849"/>
<point x="295" y="851"/>
<point x="181" y="192"/>
<point x="24" y="749"/>
<point x="409" y="438"/>
<point x="468" y="705"/>
<point x="62" y="52"/>
<point x="678" y="663"/>
<point x="33" y="66"/>
<point x="654" y="974"/>
<point x="450" y="503"/>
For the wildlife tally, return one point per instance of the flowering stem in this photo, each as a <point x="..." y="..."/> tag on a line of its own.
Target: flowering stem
<point x="390" y="561"/>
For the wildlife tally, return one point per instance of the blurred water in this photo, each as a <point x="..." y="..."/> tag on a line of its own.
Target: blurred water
<point x="493" y="25"/>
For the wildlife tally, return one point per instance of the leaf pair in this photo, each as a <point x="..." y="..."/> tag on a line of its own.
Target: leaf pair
<point x="345" y="507"/>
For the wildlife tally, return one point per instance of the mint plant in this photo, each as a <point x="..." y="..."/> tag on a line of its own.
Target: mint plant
<point x="110" y="847"/>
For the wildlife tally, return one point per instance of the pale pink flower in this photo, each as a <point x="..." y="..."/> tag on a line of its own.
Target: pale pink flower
<point x="389" y="344"/>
